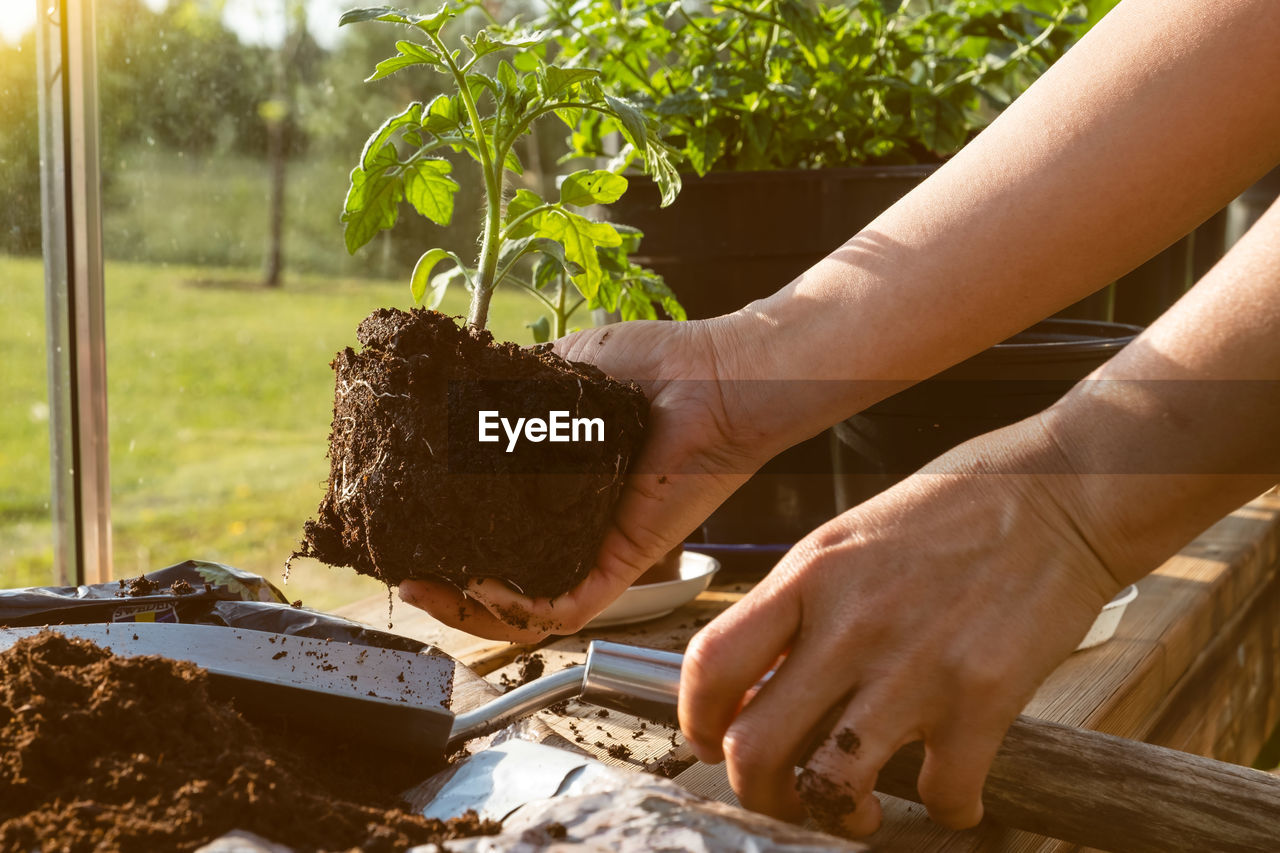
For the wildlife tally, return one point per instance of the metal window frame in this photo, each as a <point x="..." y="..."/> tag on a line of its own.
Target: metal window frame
<point x="71" y="205"/>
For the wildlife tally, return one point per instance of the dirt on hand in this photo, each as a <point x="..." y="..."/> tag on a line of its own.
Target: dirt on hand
<point x="99" y="752"/>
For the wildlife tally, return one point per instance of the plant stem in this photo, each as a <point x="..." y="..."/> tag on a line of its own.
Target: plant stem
<point x="557" y="330"/>
<point x="491" y="242"/>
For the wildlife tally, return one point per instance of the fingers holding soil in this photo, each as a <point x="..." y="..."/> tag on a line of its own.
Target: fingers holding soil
<point x="455" y="609"/>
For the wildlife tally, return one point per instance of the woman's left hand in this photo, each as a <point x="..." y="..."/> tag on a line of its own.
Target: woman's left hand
<point x="931" y="612"/>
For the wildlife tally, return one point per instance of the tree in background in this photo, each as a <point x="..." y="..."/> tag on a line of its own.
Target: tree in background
<point x="19" y="149"/>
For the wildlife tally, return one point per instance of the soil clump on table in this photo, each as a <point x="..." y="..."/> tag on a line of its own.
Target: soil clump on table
<point x="414" y="493"/>
<point x="99" y="752"/>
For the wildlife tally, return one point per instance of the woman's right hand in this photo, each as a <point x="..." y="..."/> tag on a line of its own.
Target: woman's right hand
<point x="700" y="446"/>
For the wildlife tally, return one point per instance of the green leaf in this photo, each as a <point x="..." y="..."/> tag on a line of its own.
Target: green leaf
<point x="571" y="116"/>
<point x="370" y="206"/>
<point x="521" y="203"/>
<point x="429" y="23"/>
<point x="556" y="80"/>
<point x="377" y="144"/>
<point x="485" y="44"/>
<point x="541" y="328"/>
<point x="704" y="147"/>
<point x="547" y="270"/>
<point x="579" y="236"/>
<point x="421" y="277"/>
<point x="508" y="80"/>
<point x="428" y="187"/>
<point x="630" y="118"/>
<point x="374" y="13"/>
<point x="410" y="54"/>
<point x="442" y="115"/>
<point x="592" y="186"/>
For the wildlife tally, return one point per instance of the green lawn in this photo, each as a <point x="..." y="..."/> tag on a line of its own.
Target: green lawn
<point x="219" y="404"/>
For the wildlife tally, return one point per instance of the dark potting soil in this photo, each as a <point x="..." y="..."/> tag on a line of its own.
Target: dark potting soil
<point x="141" y="585"/>
<point x="827" y="801"/>
<point x="412" y="492"/>
<point x="101" y="753"/>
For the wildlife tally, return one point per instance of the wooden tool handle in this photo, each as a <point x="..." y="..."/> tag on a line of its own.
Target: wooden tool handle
<point x="1115" y="794"/>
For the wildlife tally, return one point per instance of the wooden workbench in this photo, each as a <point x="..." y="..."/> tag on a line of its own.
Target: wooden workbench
<point x="1195" y="665"/>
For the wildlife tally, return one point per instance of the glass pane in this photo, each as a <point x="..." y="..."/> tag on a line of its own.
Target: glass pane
<point x="219" y="382"/>
<point x="26" y="531"/>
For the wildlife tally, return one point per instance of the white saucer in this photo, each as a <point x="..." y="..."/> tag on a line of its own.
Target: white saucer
<point x="641" y="603"/>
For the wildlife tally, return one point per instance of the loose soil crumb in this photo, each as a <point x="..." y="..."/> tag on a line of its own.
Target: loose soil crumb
<point x="105" y="753"/>
<point x="827" y="801"/>
<point x="619" y="750"/>
<point x="670" y="767"/>
<point x="141" y="585"/>
<point x="181" y="587"/>
<point x="556" y="830"/>
<point x="531" y="666"/>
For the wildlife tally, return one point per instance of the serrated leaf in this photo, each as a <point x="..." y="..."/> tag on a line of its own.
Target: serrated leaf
<point x="370" y="206"/>
<point x="442" y="115"/>
<point x="592" y="186"/>
<point x="429" y="23"/>
<point x="521" y="203"/>
<point x="704" y="146"/>
<point x="433" y="21"/>
<point x="374" y="13"/>
<point x="478" y="83"/>
<point x="485" y="44"/>
<point x="508" y="80"/>
<point x="410" y="54"/>
<point x="630" y="118"/>
<point x="428" y="187"/>
<point x="579" y="236"/>
<point x="421" y="278"/>
<point x="556" y="80"/>
<point x="377" y="144"/>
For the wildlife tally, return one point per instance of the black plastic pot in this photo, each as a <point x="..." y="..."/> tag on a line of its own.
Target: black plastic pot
<point x="730" y="238"/>
<point x="999" y="386"/>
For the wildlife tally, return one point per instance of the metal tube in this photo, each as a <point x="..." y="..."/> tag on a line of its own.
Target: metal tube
<point x="642" y="682"/>
<point x="524" y="700"/>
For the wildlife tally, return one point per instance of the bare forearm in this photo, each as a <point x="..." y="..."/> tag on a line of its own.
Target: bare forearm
<point x="1156" y="119"/>
<point x="1184" y="425"/>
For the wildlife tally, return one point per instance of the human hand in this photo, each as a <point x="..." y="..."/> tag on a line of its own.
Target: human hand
<point x="699" y="447"/>
<point x="931" y="612"/>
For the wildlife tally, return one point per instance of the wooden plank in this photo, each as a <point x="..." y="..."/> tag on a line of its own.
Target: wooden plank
<point x="1228" y="702"/>
<point x="1116" y="793"/>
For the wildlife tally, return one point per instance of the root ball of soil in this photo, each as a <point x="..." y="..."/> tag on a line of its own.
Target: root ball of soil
<point x="414" y="493"/>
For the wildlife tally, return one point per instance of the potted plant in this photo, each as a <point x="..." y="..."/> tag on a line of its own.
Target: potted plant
<point x="453" y="455"/>
<point x="799" y="123"/>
